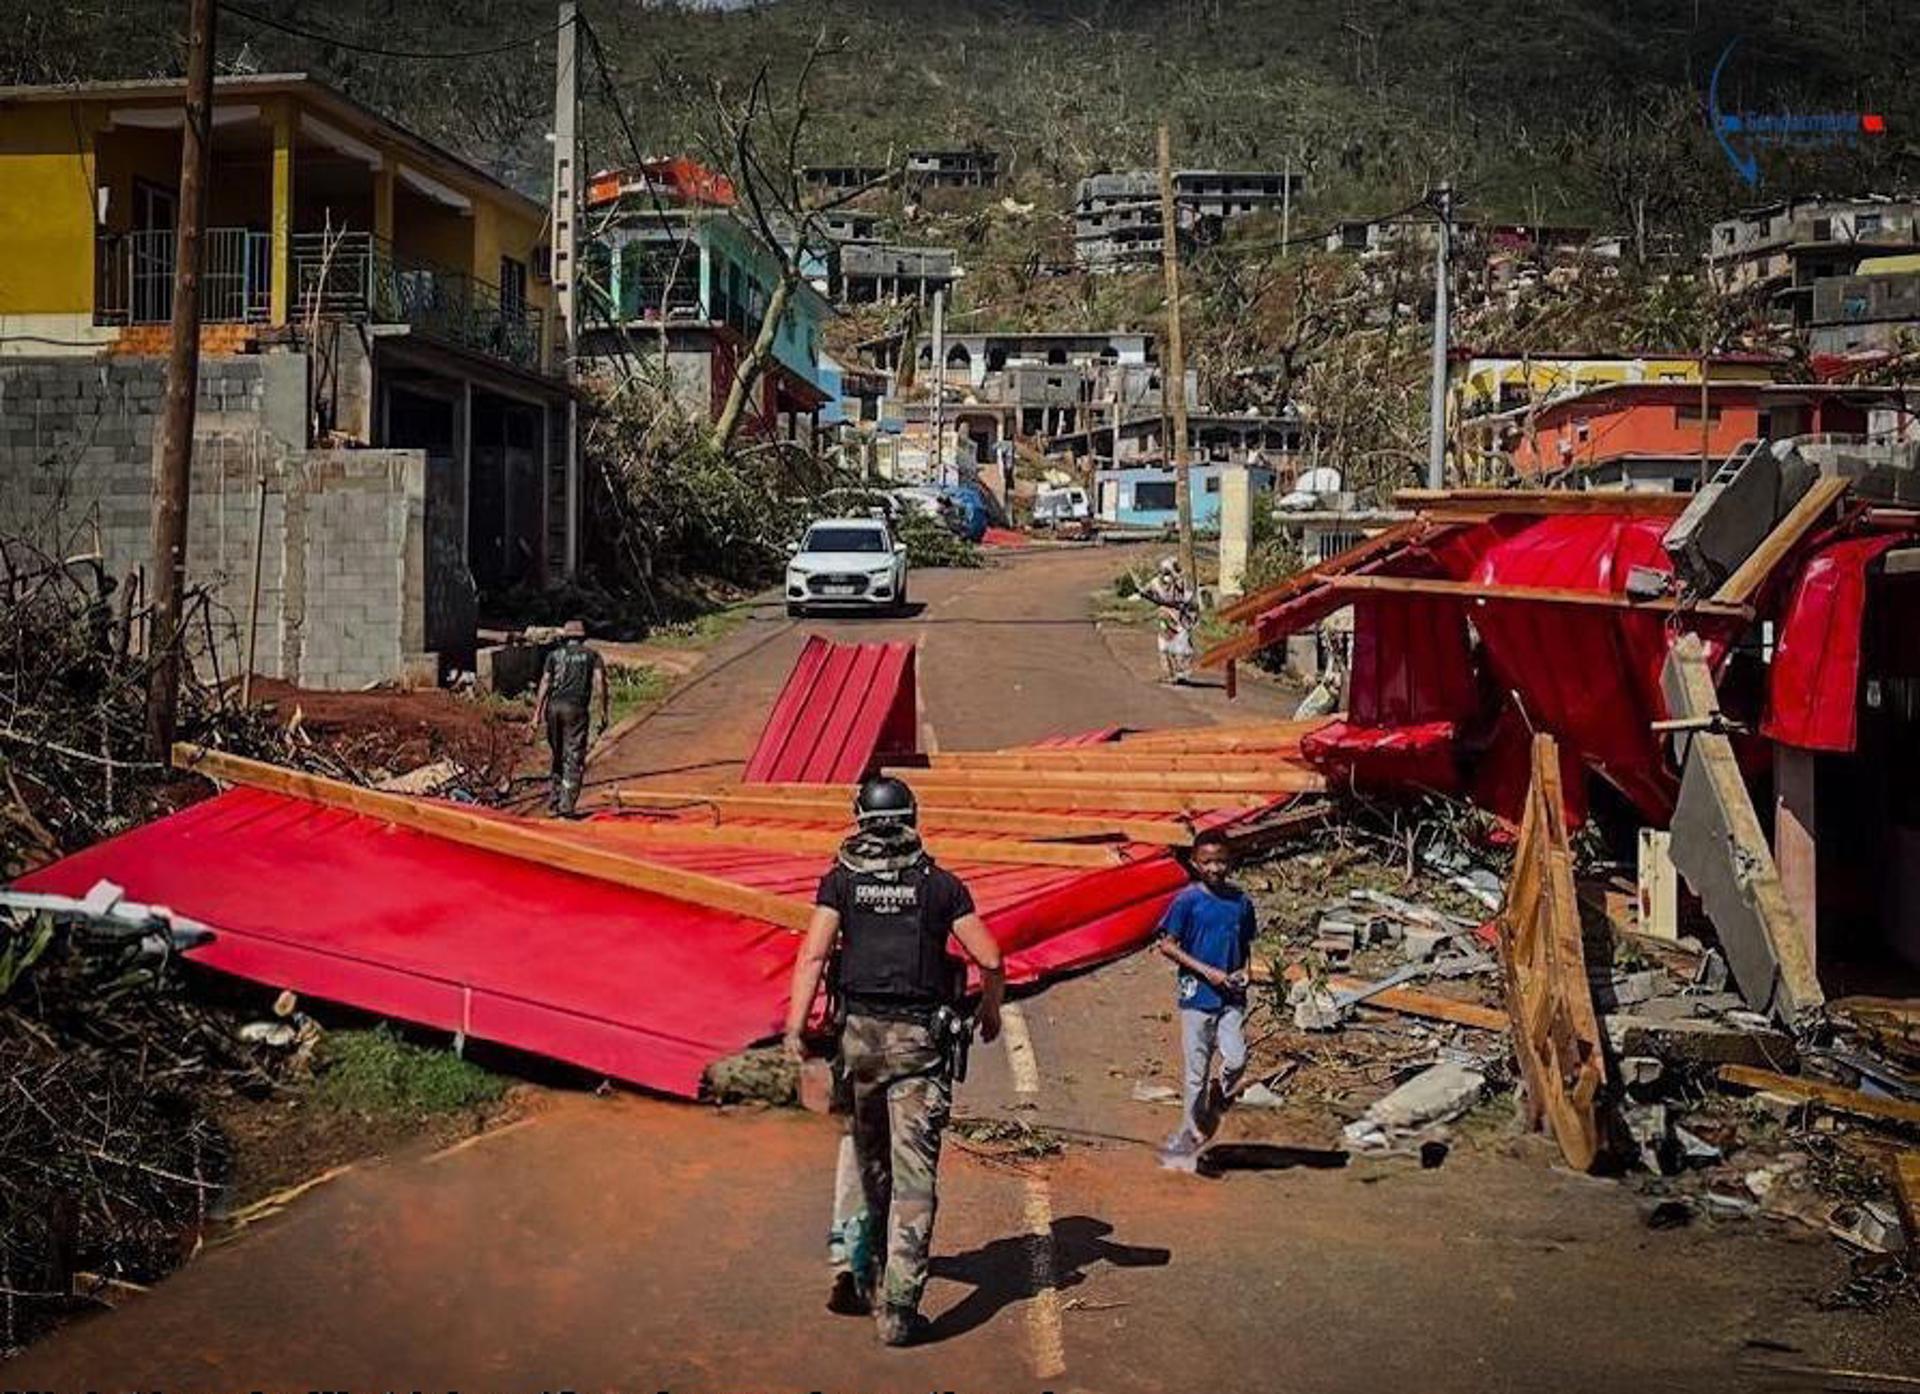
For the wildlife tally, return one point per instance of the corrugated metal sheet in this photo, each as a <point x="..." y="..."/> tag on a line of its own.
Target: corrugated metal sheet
<point x="633" y="985"/>
<point x="1813" y="691"/>
<point x="845" y="709"/>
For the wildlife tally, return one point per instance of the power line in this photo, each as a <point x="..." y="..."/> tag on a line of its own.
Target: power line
<point x="353" y="45"/>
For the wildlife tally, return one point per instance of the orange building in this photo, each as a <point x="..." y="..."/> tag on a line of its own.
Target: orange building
<point x="1650" y="433"/>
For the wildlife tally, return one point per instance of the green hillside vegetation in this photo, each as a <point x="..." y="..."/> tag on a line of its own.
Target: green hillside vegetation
<point x="1377" y="98"/>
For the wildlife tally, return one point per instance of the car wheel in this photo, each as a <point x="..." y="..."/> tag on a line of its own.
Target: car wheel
<point x="796" y="612"/>
<point x="900" y="598"/>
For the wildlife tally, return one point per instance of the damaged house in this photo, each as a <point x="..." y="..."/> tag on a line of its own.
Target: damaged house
<point x="382" y="419"/>
<point x="1738" y="666"/>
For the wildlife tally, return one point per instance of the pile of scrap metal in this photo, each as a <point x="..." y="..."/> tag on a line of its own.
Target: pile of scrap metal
<point x="1682" y="652"/>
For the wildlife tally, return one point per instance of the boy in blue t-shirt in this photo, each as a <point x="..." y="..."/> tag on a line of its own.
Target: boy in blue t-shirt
<point x="1208" y="931"/>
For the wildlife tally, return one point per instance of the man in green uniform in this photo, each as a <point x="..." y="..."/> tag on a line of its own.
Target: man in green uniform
<point x="892" y="910"/>
<point x="562" y="705"/>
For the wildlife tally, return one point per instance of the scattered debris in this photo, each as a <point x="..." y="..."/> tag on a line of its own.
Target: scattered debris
<point x="1442" y="1092"/>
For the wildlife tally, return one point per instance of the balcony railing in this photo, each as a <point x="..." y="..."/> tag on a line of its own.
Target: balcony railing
<point x="133" y="276"/>
<point x="360" y="276"/>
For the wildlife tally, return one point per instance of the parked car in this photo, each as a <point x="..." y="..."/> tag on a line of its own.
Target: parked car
<point x="851" y="563"/>
<point x="1061" y="507"/>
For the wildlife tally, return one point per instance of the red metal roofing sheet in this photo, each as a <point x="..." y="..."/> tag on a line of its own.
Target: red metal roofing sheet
<point x="634" y="985"/>
<point x="1813" y="691"/>
<point x="844" y="708"/>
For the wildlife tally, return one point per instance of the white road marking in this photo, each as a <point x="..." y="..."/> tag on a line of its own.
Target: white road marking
<point x="1047" y="1345"/>
<point x="1049" y="1349"/>
<point x="1020" y="1056"/>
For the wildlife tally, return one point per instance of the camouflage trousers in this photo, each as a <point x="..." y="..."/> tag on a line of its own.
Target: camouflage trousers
<point x="902" y="1095"/>
<point x="567" y="729"/>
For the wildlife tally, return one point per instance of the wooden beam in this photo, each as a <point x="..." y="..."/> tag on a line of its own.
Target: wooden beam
<point x="1406" y="1000"/>
<point x="1010" y="851"/>
<point x="735" y="803"/>
<point x="1905" y="1166"/>
<point x="1751" y="574"/>
<point x="494" y="834"/>
<point x="1279" y="778"/>
<point x="1834" y="1096"/>
<point x="1554" y="595"/>
<point x="1245" y="608"/>
<point x="1549" y="1002"/>
<point x="1120" y="759"/>
<point x="1199" y="740"/>
<point x="1540" y="502"/>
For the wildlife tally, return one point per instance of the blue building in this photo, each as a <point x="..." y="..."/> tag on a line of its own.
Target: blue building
<point x="1142" y="496"/>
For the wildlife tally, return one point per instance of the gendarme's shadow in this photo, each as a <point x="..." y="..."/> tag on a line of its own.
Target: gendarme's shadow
<point x="1005" y="1271"/>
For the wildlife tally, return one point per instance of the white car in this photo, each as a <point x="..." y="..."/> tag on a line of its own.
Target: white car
<point x="847" y="562"/>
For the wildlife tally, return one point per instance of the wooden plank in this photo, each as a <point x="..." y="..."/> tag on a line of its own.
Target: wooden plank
<point x="1751" y="574"/>
<point x="496" y="835"/>
<point x="1366" y="550"/>
<point x="1279" y="778"/>
<point x="1142" y="761"/>
<point x="1556" y="1035"/>
<point x="1201" y="740"/>
<point x="1552" y="595"/>
<point x="1407" y="1001"/>
<point x="1905" y="1166"/>
<point x="1007" y="850"/>
<point x="734" y="803"/>
<point x="1818" y="1091"/>
<point x="1541" y="502"/>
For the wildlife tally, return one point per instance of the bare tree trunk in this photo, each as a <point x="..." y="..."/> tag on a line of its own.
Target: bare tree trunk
<point x="753" y="366"/>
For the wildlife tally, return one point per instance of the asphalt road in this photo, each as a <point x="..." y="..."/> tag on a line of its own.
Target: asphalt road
<point x="624" y="1242"/>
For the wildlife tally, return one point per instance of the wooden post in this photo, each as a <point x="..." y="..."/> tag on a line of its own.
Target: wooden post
<point x="1176" y="375"/>
<point x="173" y="452"/>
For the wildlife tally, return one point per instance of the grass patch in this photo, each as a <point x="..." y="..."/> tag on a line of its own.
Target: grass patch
<point x="377" y="1072"/>
<point x="630" y="689"/>
<point x="703" y="629"/>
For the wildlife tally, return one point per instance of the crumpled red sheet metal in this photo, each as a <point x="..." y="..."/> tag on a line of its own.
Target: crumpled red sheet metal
<point x="636" y="986"/>
<point x="1423" y="756"/>
<point x="844" y="709"/>
<point x="1813" y="688"/>
<point x="1589" y="676"/>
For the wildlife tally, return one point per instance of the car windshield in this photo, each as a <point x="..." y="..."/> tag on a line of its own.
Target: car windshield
<point x="845" y="540"/>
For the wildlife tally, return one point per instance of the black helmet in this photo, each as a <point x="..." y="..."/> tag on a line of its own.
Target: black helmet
<point x="883" y="799"/>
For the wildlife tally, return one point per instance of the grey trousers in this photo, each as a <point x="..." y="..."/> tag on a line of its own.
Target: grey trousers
<point x="1201" y="1033"/>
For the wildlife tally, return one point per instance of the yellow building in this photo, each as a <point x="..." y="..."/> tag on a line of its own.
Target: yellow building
<point x="413" y="284"/>
<point x="1480" y="384"/>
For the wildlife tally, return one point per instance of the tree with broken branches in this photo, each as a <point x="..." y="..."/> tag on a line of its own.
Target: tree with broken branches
<point x="759" y="141"/>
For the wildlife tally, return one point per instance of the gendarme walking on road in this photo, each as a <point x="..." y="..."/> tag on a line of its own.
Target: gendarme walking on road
<point x="883" y="917"/>
<point x="563" y="706"/>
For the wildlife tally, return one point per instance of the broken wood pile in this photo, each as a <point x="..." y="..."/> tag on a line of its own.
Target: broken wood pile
<point x="1076" y="806"/>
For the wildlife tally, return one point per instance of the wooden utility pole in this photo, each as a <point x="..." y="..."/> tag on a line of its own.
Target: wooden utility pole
<point x="173" y="452"/>
<point x="1175" y="392"/>
<point x="1437" y="388"/>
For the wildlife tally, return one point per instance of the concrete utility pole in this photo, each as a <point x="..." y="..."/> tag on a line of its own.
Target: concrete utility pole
<point x="1175" y="392"/>
<point x="173" y="452"/>
<point x="566" y="207"/>
<point x="1706" y="400"/>
<point x="1437" y="401"/>
<point x="939" y="385"/>
<point x="1286" y="206"/>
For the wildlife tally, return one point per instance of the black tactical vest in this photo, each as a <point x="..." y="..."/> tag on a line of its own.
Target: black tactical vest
<point x="891" y="958"/>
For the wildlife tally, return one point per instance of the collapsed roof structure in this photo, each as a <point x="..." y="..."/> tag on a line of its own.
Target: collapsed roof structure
<point x="1684" y="652"/>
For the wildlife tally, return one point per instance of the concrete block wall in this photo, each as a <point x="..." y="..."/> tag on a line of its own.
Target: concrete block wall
<point x="360" y="537"/>
<point x="342" y="561"/>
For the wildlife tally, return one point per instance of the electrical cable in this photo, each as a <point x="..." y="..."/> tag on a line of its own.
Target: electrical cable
<point x="353" y="45"/>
